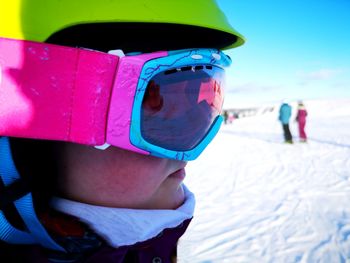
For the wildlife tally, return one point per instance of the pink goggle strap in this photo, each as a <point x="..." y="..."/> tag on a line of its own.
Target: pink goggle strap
<point x="54" y="92"/>
<point x="122" y="99"/>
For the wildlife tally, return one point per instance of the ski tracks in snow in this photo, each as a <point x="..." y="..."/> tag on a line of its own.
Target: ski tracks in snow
<point x="260" y="200"/>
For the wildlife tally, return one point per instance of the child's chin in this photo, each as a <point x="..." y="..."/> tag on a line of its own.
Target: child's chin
<point x="178" y="198"/>
<point x="172" y="198"/>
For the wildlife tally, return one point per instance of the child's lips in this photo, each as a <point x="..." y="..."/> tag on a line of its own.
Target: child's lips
<point x="178" y="174"/>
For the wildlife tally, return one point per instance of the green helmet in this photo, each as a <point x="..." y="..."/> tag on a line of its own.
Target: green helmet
<point x="38" y="20"/>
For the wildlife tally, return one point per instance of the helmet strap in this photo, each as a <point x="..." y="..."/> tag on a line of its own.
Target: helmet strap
<point x="17" y="192"/>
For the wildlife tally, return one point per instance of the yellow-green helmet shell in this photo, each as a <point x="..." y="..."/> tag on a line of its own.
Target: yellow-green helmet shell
<point x="37" y="20"/>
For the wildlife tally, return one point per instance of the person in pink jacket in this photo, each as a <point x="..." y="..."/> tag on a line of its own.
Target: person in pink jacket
<point x="301" y="119"/>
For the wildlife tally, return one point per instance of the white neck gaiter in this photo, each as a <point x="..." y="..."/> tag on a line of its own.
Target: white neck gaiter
<point x="122" y="226"/>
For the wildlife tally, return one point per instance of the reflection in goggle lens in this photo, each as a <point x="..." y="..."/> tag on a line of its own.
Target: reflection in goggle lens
<point x="180" y="106"/>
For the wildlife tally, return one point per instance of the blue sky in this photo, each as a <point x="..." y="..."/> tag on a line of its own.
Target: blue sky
<point x="295" y="49"/>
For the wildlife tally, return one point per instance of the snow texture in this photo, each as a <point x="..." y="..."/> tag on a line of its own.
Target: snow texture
<point x="261" y="200"/>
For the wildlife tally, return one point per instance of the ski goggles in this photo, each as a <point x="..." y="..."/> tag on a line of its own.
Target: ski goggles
<point x="165" y="104"/>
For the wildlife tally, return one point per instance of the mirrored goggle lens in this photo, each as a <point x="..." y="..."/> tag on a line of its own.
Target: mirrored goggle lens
<point x="180" y="106"/>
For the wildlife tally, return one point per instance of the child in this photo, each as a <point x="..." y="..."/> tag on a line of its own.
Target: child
<point x="301" y="119"/>
<point x="102" y="105"/>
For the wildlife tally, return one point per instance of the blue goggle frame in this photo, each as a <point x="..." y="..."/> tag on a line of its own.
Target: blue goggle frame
<point x="175" y="59"/>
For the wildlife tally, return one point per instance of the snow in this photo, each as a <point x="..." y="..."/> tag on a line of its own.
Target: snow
<point x="260" y="200"/>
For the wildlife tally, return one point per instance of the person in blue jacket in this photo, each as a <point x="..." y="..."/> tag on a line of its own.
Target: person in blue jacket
<point x="285" y="113"/>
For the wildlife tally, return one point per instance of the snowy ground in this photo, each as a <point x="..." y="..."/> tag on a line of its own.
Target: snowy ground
<point x="260" y="200"/>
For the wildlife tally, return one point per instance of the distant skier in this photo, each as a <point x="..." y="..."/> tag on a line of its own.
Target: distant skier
<point x="301" y="119"/>
<point x="225" y="115"/>
<point x="284" y="117"/>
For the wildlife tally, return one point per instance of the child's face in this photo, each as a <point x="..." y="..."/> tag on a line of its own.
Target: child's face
<point x="119" y="178"/>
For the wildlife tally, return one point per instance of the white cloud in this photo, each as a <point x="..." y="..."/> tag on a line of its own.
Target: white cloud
<point x="250" y="87"/>
<point x="321" y="74"/>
